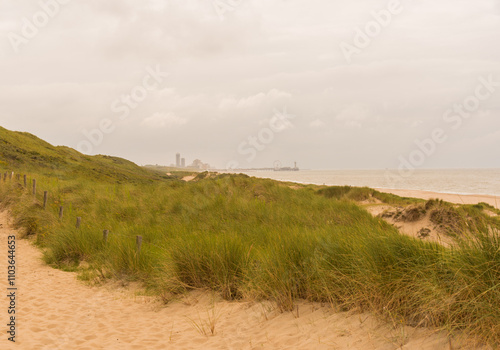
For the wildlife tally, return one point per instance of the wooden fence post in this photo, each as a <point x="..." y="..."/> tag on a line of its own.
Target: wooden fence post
<point x="105" y="234"/>
<point x="34" y="187"/>
<point x="11" y="175"/>
<point x="45" y="197"/>
<point x="25" y="180"/>
<point x="78" y="222"/>
<point x="18" y="177"/>
<point x="5" y="177"/>
<point x="138" y="243"/>
<point x="61" y="210"/>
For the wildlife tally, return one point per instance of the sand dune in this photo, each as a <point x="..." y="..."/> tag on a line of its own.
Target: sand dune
<point x="414" y="228"/>
<point x="56" y="311"/>
<point x="449" y="197"/>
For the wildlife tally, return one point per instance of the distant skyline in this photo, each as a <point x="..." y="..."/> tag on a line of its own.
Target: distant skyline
<point x="329" y="84"/>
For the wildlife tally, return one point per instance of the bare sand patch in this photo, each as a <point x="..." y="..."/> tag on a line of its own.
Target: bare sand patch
<point x="422" y="228"/>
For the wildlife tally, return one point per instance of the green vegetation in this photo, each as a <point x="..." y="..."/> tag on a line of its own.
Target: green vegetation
<point x="252" y="238"/>
<point x="450" y="219"/>
<point x="456" y="220"/>
<point x="364" y="193"/>
<point x="178" y="173"/>
<point x="29" y="154"/>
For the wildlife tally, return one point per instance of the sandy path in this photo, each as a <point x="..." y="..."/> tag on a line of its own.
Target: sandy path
<point x="449" y="197"/>
<point x="56" y="311"/>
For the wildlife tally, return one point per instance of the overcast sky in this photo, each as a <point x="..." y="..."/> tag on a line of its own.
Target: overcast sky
<point x="357" y="93"/>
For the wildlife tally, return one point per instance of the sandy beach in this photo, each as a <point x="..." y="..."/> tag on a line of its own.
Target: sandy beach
<point x="57" y="311"/>
<point x="449" y="197"/>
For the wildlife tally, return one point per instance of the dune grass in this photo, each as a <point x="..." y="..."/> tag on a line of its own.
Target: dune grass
<point x="255" y="238"/>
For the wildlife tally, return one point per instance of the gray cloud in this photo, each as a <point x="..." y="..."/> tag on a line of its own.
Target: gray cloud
<point x="227" y="77"/>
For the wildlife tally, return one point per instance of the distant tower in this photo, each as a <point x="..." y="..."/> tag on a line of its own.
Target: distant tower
<point x="295" y="164"/>
<point x="183" y="162"/>
<point x="178" y="160"/>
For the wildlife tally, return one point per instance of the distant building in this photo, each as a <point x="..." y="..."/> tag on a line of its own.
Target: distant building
<point x="198" y="164"/>
<point x="178" y="160"/>
<point x="183" y="162"/>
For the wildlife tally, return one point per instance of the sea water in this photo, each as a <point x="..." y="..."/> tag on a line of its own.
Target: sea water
<point x="461" y="181"/>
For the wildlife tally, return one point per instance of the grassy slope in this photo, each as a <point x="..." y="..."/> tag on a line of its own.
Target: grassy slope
<point x="25" y="152"/>
<point x="246" y="237"/>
